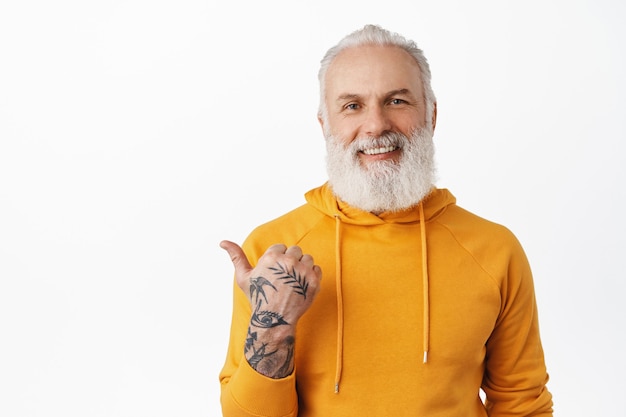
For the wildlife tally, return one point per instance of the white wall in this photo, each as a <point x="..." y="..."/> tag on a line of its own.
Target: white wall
<point x="135" y="135"/>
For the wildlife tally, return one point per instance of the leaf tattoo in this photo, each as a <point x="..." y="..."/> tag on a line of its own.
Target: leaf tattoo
<point x="292" y="278"/>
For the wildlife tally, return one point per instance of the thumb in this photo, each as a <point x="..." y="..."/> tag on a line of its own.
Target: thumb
<point x="238" y="258"/>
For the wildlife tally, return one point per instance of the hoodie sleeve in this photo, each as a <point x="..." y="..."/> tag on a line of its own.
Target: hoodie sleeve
<point x="515" y="375"/>
<point x="245" y="392"/>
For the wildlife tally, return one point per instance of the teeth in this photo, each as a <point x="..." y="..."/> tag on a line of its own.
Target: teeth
<point x="377" y="151"/>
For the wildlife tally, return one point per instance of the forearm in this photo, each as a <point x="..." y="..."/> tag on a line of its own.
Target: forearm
<point x="271" y="351"/>
<point x="247" y="392"/>
<point x="260" y="380"/>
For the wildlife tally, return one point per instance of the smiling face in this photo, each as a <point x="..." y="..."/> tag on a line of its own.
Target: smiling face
<point x="372" y="90"/>
<point x="380" y="154"/>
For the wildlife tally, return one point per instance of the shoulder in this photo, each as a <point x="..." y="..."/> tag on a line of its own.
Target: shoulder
<point x="467" y="225"/>
<point x="289" y="229"/>
<point x="491" y="245"/>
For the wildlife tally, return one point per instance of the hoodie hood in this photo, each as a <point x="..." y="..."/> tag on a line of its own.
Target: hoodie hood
<point x="324" y="200"/>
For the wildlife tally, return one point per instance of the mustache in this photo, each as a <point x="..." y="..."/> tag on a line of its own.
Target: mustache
<point x="395" y="139"/>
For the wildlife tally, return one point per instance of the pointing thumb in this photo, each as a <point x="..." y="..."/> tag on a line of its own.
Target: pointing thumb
<point x="240" y="262"/>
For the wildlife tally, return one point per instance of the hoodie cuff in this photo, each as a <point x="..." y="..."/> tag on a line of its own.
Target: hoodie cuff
<point x="262" y="395"/>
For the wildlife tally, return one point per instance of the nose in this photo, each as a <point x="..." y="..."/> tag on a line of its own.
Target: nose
<point x="376" y="121"/>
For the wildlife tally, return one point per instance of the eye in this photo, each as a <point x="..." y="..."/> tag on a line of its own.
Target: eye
<point x="397" y="101"/>
<point x="267" y="319"/>
<point x="352" y="106"/>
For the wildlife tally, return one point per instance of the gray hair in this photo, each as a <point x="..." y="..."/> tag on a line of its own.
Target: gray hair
<point x="376" y="35"/>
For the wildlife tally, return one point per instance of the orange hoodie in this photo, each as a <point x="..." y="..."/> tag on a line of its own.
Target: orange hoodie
<point x="417" y="312"/>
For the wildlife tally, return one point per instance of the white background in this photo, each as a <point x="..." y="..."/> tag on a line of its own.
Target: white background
<point x="135" y="135"/>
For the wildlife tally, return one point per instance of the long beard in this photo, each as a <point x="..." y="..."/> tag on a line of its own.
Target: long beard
<point x="382" y="185"/>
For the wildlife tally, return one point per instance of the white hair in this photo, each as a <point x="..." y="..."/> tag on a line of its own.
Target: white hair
<point x="382" y="185"/>
<point x="376" y="35"/>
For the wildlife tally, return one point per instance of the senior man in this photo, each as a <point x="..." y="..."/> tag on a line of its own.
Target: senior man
<point x="422" y="306"/>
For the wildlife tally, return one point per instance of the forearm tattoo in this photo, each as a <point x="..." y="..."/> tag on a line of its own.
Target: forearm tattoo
<point x="279" y="362"/>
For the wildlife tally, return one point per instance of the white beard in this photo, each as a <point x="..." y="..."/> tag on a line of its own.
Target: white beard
<point x="382" y="185"/>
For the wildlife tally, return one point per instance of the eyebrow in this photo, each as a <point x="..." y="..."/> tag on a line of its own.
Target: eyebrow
<point x="400" y="91"/>
<point x="347" y="96"/>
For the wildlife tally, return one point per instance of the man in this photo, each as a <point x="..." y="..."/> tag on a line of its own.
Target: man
<point x="421" y="305"/>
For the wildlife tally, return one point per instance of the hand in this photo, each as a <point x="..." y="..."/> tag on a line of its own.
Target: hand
<point x="281" y="287"/>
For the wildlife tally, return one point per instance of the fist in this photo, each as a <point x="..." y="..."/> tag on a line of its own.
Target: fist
<point x="281" y="287"/>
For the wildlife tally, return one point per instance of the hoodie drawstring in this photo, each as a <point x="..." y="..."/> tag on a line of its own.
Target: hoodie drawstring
<point x="425" y="283"/>
<point x="339" y="290"/>
<point x="339" y="302"/>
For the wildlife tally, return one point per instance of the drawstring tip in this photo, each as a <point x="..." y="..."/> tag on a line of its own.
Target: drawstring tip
<point x="337" y="388"/>
<point x="425" y="356"/>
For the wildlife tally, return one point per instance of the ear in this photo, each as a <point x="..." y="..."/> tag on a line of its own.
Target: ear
<point x="320" y="120"/>
<point x="434" y="120"/>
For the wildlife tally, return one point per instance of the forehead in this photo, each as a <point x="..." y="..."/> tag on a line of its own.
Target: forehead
<point x="373" y="69"/>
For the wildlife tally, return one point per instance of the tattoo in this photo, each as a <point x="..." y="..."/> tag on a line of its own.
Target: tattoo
<point x="292" y="278"/>
<point x="266" y="319"/>
<point x="250" y="340"/>
<point x="267" y="363"/>
<point x="259" y="355"/>
<point x="287" y="367"/>
<point x="256" y="286"/>
<point x="280" y="362"/>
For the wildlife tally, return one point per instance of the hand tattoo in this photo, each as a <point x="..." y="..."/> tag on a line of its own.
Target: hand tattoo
<point x="292" y="278"/>
<point x="266" y="319"/>
<point x="256" y="285"/>
<point x="279" y="362"/>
